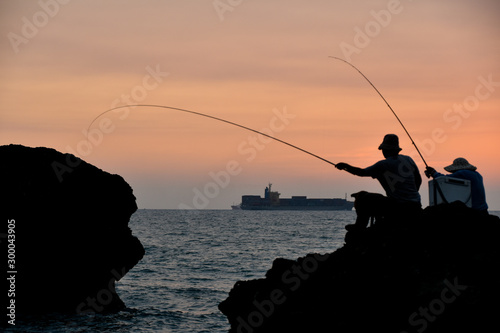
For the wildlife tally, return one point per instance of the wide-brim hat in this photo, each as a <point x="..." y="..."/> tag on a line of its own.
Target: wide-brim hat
<point x="390" y="142"/>
<point x="460" y="164"/>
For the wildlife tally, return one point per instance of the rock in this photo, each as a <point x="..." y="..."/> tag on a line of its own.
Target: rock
<point x="435" y="273"/>
<point x="72" y="240"/>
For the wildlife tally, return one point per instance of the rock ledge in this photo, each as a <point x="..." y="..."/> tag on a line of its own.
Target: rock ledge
<point x="435" y="273"/>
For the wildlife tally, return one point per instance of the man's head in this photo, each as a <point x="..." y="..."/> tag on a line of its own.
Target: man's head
<point x="460" y="164"/>
<point x="390" y="145"/>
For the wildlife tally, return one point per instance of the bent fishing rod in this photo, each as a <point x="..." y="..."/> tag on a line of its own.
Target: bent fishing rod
<point x="214" y="118"/>
<point x="394" y="113"/>
<point x="258" y="132"/>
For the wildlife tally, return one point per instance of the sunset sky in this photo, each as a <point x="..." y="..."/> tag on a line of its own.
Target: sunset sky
<point x="262" y="64"/>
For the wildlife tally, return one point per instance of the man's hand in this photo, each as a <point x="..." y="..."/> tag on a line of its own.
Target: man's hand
<point x="342" y="166"/>
<point x="429" y="171"/>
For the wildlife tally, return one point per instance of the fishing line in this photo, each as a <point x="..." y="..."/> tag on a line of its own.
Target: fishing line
<point x="394" y="113"/>
<point x="211" y="117"/>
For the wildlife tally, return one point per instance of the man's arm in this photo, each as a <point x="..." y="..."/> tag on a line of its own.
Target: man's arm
<point x="352" y="170"/>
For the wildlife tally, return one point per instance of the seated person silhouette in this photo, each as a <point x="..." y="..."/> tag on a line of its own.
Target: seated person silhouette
<point x="461" y="168"/>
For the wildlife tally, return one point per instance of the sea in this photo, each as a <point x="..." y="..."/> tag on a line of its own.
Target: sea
<point x="193" y="259"/>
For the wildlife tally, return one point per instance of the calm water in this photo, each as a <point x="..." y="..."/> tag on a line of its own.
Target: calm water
<point x="193" y="258"/>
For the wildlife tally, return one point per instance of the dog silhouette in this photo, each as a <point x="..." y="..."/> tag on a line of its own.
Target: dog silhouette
<point x="370" y="208"/>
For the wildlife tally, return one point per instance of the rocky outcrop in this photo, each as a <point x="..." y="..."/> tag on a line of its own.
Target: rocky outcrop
<point x="70" y="222"/>
<point x="437" y="272"/>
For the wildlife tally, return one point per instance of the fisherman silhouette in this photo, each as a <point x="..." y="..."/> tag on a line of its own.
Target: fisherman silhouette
<point x="399" y="176"/>
<point x="461" y="168"/>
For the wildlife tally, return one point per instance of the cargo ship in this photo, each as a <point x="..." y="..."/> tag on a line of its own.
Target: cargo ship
<point x="272" y="201"/>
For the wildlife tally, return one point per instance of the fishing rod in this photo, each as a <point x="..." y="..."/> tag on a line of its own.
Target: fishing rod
<point x="394" y="113"/>
<point x="211" y="117"/>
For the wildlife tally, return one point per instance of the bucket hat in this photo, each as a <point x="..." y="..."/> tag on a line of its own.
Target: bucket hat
<point x="391" y="141"/>
<point x="460" y="164"/>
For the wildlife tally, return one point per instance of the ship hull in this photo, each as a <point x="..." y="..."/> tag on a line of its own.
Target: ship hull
<point x="296" y="208"/>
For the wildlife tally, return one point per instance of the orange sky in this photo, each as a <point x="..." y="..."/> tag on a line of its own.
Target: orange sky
<point x="436" y="62"/>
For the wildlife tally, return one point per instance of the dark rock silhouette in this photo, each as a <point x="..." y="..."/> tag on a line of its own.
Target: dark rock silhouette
<point x="71" y="227"/>
<point x="437" y="272"/>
